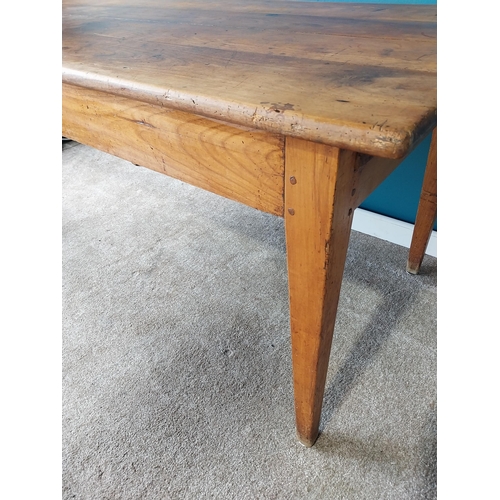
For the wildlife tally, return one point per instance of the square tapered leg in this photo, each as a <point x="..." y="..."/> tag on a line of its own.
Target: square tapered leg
<point x="426" y="213"/>
<point x="319" y="204"/>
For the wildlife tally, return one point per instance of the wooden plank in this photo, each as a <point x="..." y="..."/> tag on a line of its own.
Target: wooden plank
<point x="426" y="213"/>
<point x="363" y="79"/>
<point x="240" y="164"/>
<point x="325" y="47"/>
<point x="260" y="22"/>
<point x="320" y="183"/>
<point x="416" y="13"/>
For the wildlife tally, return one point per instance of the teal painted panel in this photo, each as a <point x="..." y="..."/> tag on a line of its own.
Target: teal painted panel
<point x="399" y="194"/>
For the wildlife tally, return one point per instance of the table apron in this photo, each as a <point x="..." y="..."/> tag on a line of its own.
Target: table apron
<point x="239" y="163"/>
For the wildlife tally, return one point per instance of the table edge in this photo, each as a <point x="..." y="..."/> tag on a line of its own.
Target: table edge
<point x="387" y="144"/>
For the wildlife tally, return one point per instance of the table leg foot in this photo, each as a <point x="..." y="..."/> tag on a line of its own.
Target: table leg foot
<point x="320" y="185"/>
<point x="308" y="441"/>
<point x="426" y="213"/>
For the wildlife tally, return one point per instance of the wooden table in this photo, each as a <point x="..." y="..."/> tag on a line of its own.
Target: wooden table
<point x="297" y="109"/>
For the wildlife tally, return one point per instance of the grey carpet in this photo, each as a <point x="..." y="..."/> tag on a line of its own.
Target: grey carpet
<point x="176" y="354"/>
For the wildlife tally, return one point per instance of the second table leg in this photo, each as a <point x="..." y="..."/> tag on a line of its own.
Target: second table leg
<point x="426" y="213"/>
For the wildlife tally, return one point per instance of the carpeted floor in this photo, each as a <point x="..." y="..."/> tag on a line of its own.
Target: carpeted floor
<point x="176" y="353"/>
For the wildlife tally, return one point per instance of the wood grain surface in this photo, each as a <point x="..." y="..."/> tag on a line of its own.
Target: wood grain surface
<point x="240" y="164"/>
<point x="359" y="77"/>
<point x="320" y="184"/>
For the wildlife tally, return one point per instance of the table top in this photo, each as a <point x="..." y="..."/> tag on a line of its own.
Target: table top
<point x="356" y="76"/>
